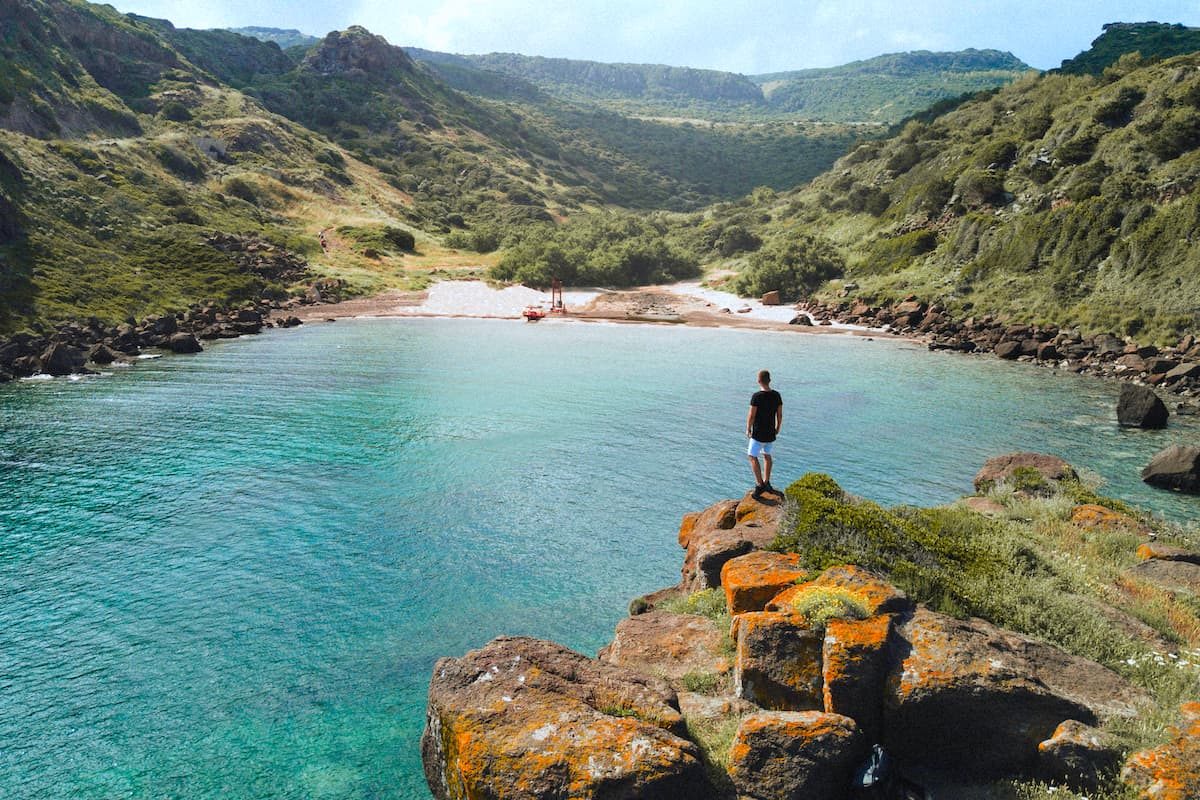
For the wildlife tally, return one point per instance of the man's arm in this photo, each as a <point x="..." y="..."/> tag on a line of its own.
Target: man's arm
<point x="750" y="419"/>
<point x="779" y="417"/>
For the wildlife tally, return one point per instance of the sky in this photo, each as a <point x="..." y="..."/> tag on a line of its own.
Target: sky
<point x="746" y="36"/>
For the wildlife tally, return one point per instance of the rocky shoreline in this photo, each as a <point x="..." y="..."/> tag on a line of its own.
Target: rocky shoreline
<point x="779" y="697"/>
<point x="1172" y="369"/>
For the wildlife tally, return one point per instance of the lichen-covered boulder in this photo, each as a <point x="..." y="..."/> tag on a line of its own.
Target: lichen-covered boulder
<point x="671" y="645"/>
<point x="722" y="533"/>
<point x="525" y="719"/>
<point x="1090" y="515"/>
<point x="764" y="511"/>
<point x="1002" y="468"/>
<point x="1077" y="755"/>
<point x="854" y="668"/>
<point x="972" y="699"/>
<point x="807" y="755"/>
<point x="1157" y="551"/>
<point x="875" y="593"/>
<point x="1174" y="576"/>
<point x="752" y="580"/>
<point x="778" y="663"/>
<point x="719" y="516"/>
<point x="1170" y="771"/>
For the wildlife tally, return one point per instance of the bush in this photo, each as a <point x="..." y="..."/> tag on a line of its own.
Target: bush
<point x="976" y="188"/>
<point x="1178" y="134"/>
<point x="175" y="111"/>
<point x="794" y="267"/>
<point x="736" y="239"/>
<point x="400" y="238"/>
<point x="999" y="154"/>
<point x="819" y="604"/>
<point x="868" y="200"/>
<point x="239" y="188"/>
<point x="1077" y="150"/>
<point x="907" y="156"/>
<point x="891" y="254"/>
<point x="1119" y="111"/>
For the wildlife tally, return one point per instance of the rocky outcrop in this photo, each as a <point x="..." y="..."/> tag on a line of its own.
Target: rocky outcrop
<point x="1174" y="576"/>
<point x="1159" y="551"/>
<point x="795" y="756"/>
<point x="1139" y="407"/>
<point x="1176" y="468"/>
<point x="527" y="719"/>
<point x="356" y="52"/>
<point x="969" y="698"/>
<point x="855" y="657"/>
<point x="670" y="645"/>
<point x="722" y="533"/>
<point x="752" y="580"/>
<point x="62" y="359"/>
<point x="1090" y="515"/>
<point x="1170" y="771"/>
<point x="1002" y="468"/>
<point x="778" y="664"/>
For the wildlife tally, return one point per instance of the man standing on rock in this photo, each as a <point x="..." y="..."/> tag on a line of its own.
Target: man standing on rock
<point x="762" y="426"/>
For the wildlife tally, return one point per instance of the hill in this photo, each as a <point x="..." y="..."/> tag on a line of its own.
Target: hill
<point x="1064" y="199"/>
<point x="880" y="90"/>
<point x="1153" y="40"/>
<point x="889" y="87"/>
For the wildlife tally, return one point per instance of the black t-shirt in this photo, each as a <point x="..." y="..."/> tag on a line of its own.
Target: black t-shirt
<point x="767" y="402"/>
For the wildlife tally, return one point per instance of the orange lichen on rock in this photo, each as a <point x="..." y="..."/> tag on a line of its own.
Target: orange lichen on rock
<point x="1170" y="771"/>
<point x="1091" y="515"/>
<point x="750" y="581"/>
<point x="719" y="516"/>
<point x="778" y="664"/>
<point x="764" y="512"/>
<point x="795" y="754"/>
<point x="672" y="645"/>
<point x="854" y="666"/>
<point x="1158" y="551"/>
<point x="877" y="595"/>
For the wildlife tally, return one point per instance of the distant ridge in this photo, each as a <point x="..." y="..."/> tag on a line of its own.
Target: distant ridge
<point x="284" y="37"/>
<point x="883" y="89"/>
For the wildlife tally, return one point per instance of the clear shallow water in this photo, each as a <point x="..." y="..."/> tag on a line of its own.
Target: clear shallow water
<point x="229" y="575"/>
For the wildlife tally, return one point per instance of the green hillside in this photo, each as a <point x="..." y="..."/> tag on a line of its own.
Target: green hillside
<point x="880" y="90"/>
<point x="284" y="37"/>
<point x="889" y="87"/>
<point x="1153" y="40"/>
<point x="1068" y="199"/>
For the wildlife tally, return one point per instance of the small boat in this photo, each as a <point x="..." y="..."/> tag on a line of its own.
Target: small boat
<point x="533" y="313"/>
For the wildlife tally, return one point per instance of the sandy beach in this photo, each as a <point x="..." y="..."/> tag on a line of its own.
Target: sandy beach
<point x="687" y="303"/>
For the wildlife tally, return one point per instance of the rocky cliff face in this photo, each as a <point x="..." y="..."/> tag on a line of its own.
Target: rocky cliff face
<point x="816" y="668"/>
<point x="356" y="51"/>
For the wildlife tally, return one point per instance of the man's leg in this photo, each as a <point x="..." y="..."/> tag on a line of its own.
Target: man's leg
<point x="757" y="470"/>
<point x="766" y="468"/>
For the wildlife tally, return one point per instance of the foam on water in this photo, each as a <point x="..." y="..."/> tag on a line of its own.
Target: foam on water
<point x="228" y="575"/>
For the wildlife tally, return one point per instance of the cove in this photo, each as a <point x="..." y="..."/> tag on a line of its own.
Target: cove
<point x="229" y="575"/>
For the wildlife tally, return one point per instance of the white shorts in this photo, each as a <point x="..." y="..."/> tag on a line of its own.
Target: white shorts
<point x="758" y="448"/>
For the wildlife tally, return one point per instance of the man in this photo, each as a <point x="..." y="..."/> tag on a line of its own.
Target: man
<point x="762" y="425"/>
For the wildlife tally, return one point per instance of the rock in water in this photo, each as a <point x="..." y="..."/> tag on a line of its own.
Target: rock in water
<point x="62" y="359"/>
<point x="1140" y="407"/>
<point x="527" y="719"/>
<point x="184" y="343"/>
<point x="807" y="755"/>
<point x="1176" y="468"/>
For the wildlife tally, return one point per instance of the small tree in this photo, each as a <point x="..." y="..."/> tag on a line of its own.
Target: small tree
<point x="794" y="267"/>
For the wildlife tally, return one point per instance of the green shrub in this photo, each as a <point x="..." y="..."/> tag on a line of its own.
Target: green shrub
<point x="1119" y="111"/>
<point x="177" y="162"/>
<point x="867" y="200"/>
<point x="894" y="253"/>
<point x="242" y="190"/>
<point x="905" y="157"/>
<point x="978" y="187"/>
<point x="1178" y="134"/>
<point x="1030" y="480"/>
<point x="708" y="603"/>
<point x="175" y="111"/>
<point x="793" y="266"/>
<point x="819" y="605"/>
<point x="998" y="153"/>
<point x="1077" y="150"/>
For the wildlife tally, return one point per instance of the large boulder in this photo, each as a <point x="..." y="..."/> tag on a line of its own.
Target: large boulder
<point x="1158" y="551"/>
<point x="719" y="516"/>
<point x="527" y="719"/>
<point x="62" y="359"/>
<point x="1176" y="468"/>
<point x="1170" y="771"/>
<point x="854" y="668"/>
<point x="808" y="755"/>
<point x="778" y="664"/>
<point x="183" y="343"/>
<point x="1001" y="468"/>
<point x="1140" y="407"/>
<point x="1174" y="576"/>
<point x="671" y="645"/>
<point x="974" y="700"/>
<point x="750" y="581"/>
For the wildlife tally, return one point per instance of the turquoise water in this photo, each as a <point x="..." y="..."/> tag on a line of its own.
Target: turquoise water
<point x="229" y="575"/>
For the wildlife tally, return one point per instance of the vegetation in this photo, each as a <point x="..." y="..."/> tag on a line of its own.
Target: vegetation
<point x="791" y="266"/>
<point x="818" y="605"/>
<point x="1152" y="40"/>
<point x="1064" y="199"/>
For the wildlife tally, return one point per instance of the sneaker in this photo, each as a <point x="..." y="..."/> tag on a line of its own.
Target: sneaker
<point x="767" y="487"/>
<point x="757" y="494"/>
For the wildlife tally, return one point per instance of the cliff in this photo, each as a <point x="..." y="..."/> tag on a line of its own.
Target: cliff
<point x="1005" y="637"/>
